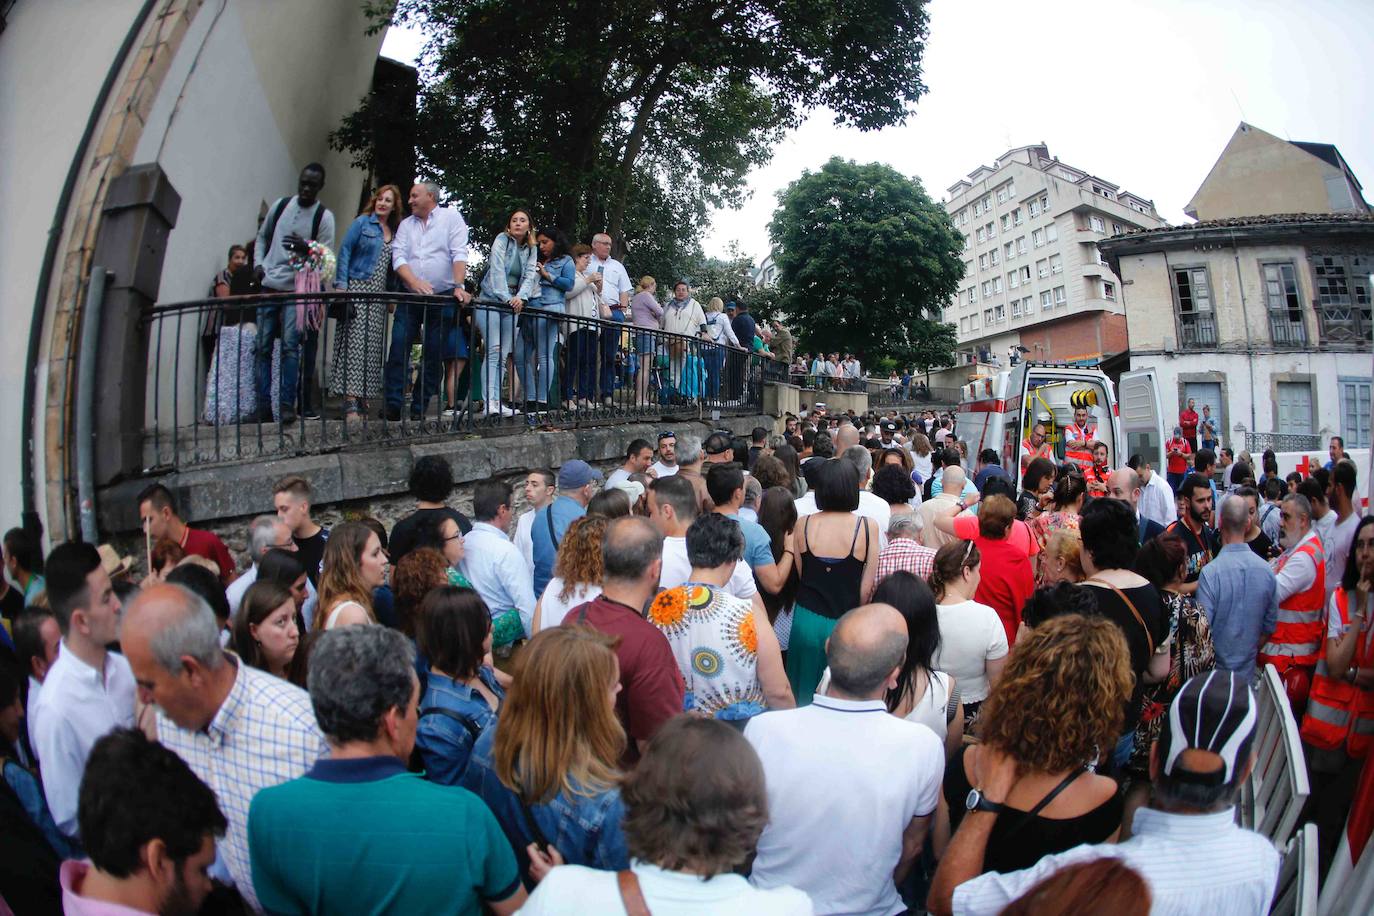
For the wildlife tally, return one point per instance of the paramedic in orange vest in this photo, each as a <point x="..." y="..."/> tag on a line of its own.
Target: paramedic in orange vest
<point x="1035" y="447"/>
<point x="1080" y="430"/>
<point x="1301" y="573"/>
<point x="1096" y="473"/>
<point x="1340" y="708"/>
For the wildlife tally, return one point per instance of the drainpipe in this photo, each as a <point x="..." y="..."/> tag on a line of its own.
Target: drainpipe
<point x="29" y="485"/>
<point x="1245" y="317"/>
<point x="85" y="402"/>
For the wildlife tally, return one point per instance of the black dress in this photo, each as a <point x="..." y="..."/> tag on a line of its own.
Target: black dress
<point x="1141" y="640"/>
<point x="1018" y="839"/>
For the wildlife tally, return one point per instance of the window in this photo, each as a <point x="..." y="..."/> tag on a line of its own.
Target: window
<point x="1009" y="250"/>
<point x="1097" y="224"/>
<point x="1016" y="217"/>
<point x="972" y="293"/>
<point x="1002" y="195"/>
<point x="987" y="288"/>
<point x="1098" y="189"/>
<point x="1116" y="228"/>
<point x="1011" y="190"/>
<point x="999" y="313"/>
<point x="992" y="230"/>
<point x="1035" y="208"/>
<point x="982" y="236"/>
<point x="1343" y="297"/>
<point x="987" y="204"/>
<point x="1016" y="308"/>
<point x="1025" y="274"/>
<point x="1355" y="394"/>
<point x="1012" y="280"/>
<point x="1038" y="238"/>
<point x="1046" y="301"/>
<point x="1108" y="290"/>
<point x="1060" y="296"/>
<point x="993" y="260"/>
<point x="1042" y="268"/>
<point x="977" y="208"/>
<point x="1285" y="306"/>
<point x="987" y="316"/>
<point x="1193" y="299"/>
<point x="1021" y="245"/>
<point x="1006" y="222"/>
<point x="1051" y="233"/>
<point x="1294" y="408"/>
<point x="963" y="325"/>
<point x="996" y="285"/>
<point x="1056" y="264"/>
<point x="1045" y="204"/>
<point x="982" y="262"/>
<point x="973" y="322"/>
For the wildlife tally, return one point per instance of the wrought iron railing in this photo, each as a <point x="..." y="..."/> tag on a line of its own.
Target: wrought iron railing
<point x="225" y="384"/>
<point x="1196" y="330"/>
<point x="1282" y="442"/>
<point x="887" y="393"/>
<point x="1286" y="330"/>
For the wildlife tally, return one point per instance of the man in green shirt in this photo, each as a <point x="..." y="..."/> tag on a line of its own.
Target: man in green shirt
<point x="358" y="833"/>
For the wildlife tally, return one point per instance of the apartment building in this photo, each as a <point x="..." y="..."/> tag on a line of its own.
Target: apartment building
<point x="1034" y="276"/>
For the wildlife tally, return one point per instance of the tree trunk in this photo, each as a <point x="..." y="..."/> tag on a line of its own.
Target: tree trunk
<point x="633" y="145"/>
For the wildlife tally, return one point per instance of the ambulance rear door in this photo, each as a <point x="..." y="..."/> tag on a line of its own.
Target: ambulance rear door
<point x="1142" y="416"/>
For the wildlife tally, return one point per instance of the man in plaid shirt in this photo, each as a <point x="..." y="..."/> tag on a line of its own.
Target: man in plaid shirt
<point x="904" y="550"/>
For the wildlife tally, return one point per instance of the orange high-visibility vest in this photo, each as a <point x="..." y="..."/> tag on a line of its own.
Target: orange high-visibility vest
<point x="1297" y="639"/>
<point x="1339" y="713"/>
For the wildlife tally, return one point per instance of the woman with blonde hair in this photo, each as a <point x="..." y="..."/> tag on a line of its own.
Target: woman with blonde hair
<point x="1061" y="559"/>
<point x="719" y="334"/>
<point x="577" y="572"/>
<point x="364" y="265"/>
<point x="354" y="564"/>
<point x="921" y="461"/>
<point x="645" y="312"/>
<point x="547" y="770"/>
<point x="1055" y="712"/>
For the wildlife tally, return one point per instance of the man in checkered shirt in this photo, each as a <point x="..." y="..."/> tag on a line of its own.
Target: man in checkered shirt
<point x="904" y="550"/>
<point x="239" y="728"/>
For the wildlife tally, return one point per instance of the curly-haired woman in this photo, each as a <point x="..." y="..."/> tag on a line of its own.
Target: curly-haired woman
<point x="576" y="572"/>
<point x="1055" y="711"/>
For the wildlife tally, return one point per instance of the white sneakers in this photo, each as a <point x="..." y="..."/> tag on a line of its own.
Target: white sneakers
<point x="497" y="409"/>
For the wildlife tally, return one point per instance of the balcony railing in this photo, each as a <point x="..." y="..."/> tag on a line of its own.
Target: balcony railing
<point x="390" y="373"/>
<point x="1344" y="324"/>
<point x="1196" y="330"/>
<point x="1286" y="330"/>
<point x="885" y="393"/>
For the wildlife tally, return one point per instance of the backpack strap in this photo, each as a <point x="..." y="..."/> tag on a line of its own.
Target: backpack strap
<point x="548" y="517"/>
<point x="272" y="219"/>
<point x="315" y="223"/>
<point x="472" y="727"/>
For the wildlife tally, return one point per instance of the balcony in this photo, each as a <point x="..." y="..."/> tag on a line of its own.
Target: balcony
<point x="1286" y="329"/>
<point x="1344" y="325"/>
<point x="1197" y="331"/>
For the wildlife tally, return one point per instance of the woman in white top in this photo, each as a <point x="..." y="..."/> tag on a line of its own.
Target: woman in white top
<point x="354" y="565"/>
<point x="973" y="642"/>
<point x="922" y="460"/>
<point x="583" y="302"/>
<point x="695" y="807"/>
<point x="720" y="334"/>
<point x="577" y="573"/>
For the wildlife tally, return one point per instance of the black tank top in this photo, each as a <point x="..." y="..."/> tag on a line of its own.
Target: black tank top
<point x="830" y="587"/>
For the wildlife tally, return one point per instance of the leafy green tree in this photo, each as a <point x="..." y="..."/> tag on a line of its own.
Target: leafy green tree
<point x="633" y="116"/>
<point x="865" y="258"/>
<point x="923" y="345"/>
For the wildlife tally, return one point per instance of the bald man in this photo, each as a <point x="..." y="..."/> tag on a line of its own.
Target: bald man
<point x="846" y="437"/>
<point x="1124" y="484"/>
<point x="847" y="781"/>
<point x="239" y="728"/>
<point x="942" y="505"/>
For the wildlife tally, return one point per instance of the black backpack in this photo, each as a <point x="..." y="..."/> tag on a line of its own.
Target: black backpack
<point x="275" y="215"/>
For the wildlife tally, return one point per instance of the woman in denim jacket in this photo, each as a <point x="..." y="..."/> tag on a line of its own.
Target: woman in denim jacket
<point x="512" y="279"/>
<point x="539" y="333"/>
<point x="547" y="770"/>
<point x="364" y="265"/>
<point x="462" y="694"/>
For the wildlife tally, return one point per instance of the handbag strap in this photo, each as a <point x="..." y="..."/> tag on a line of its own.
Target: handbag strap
<point x="548" y="517"/>
<point x="631" y="897"/>
<point x="1040" y="806"/>
<point x="1138" y="619"/>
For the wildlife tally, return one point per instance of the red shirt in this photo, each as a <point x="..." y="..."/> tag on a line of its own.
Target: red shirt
<point x="651" y="689"/>
<point x="1006" y="581"/>
<point x="204" y="544"/>
<point x="1188" y="420"/>
<point x="1177" y="464"/>
<point x="966" y="528"/>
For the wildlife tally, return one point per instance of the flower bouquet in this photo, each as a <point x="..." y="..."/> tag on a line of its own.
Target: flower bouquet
<point x="314" y="271"/>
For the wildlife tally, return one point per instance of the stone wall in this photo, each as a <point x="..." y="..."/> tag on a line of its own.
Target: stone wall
<point x="354" y="485"/>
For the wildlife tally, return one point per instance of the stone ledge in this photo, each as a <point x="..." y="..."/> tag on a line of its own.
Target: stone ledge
<point x="206" y="494"/>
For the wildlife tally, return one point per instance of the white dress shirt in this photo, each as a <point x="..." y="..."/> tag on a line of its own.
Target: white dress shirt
<point x="239" y="587"/>
<point x="1157" y="500"/>
<point x="31" y="712"/>
<point x="614" y="279"/>
<point x="677" y="569"/>
<point x="264" y="734"/>
<point x="870" y="506"/>
<point x="1193" y="863"/>
<point x="845" y="778"/>
<point x="497" y="572"/>
<point x="1295" y="571"/>
<point x="432" y="247"/>
<point x="78" y="706"/>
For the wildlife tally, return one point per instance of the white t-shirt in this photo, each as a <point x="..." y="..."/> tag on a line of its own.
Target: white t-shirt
<point x="677" y="569"/>
<point x="971" y="634"/>
<point x="923" y="464"/>
<point x="615" y="477"/>
<point x="845" y="778"/>
<point x="553" y="609"/>
<point x="524" y="537"/>
<point x="576" y="889"/>
<point x="1335" y="629"/>
<point x="662" y="470"/>
<point x="1338" y="549"/>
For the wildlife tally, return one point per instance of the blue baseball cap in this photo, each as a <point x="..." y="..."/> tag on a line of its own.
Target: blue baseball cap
<point x="576" y="474"/>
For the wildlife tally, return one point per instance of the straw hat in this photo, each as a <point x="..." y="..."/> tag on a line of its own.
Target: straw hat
<point x="114" y="564"/>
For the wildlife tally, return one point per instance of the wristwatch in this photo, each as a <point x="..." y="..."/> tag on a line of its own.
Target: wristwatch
<point x="976" y="802"/>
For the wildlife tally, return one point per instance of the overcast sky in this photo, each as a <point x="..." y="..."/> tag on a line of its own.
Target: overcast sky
<point x="1143" y="93"/>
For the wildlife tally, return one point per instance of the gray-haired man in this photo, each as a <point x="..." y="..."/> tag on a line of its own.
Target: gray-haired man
<point x="239" y="728"/>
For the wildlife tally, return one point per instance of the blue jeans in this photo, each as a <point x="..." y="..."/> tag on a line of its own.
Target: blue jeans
<point x="579" y="375"/>
<point x="534" y="358"/>
<point x="405" y="328"/>
<point x="278" y="321"/>
<point x="714" y="355"/>
<point x="610" y="348"/>
<point x="498" y="334"/>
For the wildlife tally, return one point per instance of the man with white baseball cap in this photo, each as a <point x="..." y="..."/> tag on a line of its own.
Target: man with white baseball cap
<point x="1186" y="844"/>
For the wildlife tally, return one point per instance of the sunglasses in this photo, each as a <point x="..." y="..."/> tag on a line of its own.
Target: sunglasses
<point x="667" y="434"/>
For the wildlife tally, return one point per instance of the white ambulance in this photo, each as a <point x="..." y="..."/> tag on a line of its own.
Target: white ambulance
<point x="999" y="412"/>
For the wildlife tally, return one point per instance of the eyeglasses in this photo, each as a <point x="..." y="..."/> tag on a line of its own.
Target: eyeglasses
<point x="455" y="537"/>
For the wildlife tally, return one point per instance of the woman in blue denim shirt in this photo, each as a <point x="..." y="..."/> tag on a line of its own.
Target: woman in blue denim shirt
<point x="539" y="334"/>
<point x="512" y="279"/>
<point x="547" y="770"/>
<point x="364" y="265"/>
<point x="462" y="695"/>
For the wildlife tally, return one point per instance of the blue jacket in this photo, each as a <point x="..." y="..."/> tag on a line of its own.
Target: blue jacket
<point x="554" y="293"/>
<point x="585" y="829"/>
<point x="358" y="253"/>
<point x="445" y="745"/>
<point x="494" y="288"/>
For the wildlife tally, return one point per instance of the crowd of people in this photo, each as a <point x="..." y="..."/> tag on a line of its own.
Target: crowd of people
<point x="535" y="324"/>
<point x="839" y="669"/>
